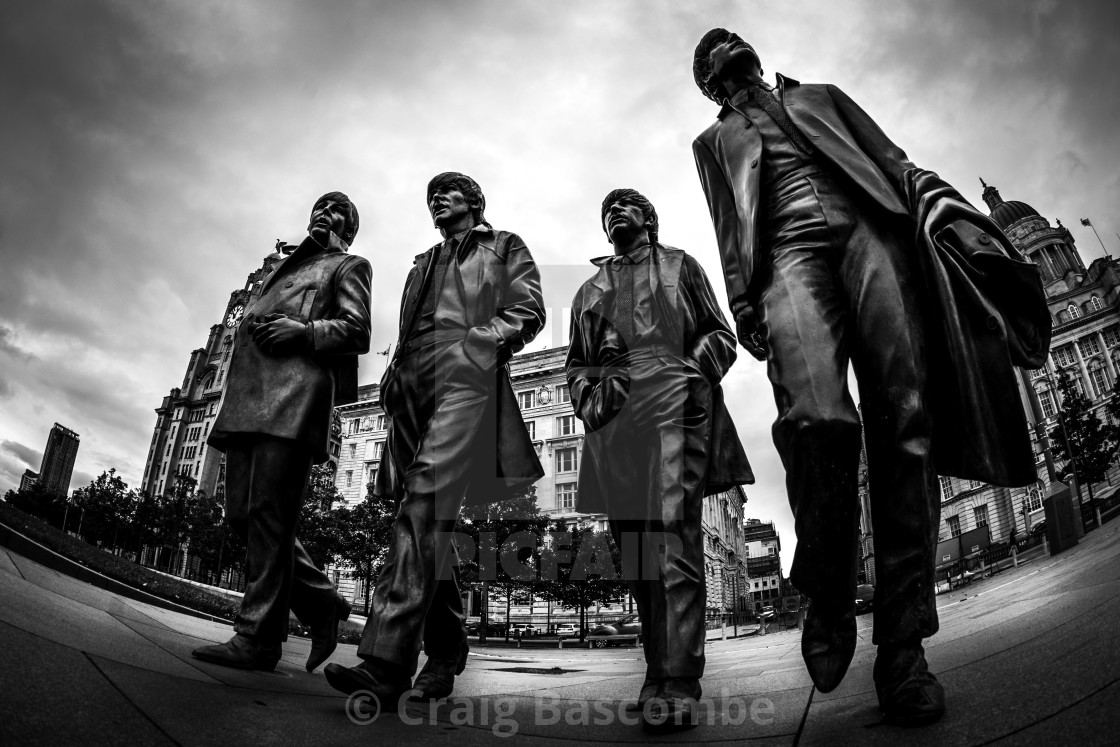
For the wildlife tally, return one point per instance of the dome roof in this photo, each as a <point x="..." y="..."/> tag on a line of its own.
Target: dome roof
<point x="1006" y="212"/>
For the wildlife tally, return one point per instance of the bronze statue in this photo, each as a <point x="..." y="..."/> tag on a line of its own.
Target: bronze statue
<point x="294" y="353"/>
<point x="455" y="434"/>
<point x="816" y="213"/>
<point x="649" y="346"/>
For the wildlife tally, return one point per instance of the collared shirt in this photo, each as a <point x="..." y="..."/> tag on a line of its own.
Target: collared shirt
<point x="781" y="159"/>
<point x="642" y="328"/>
<point x="435" y="285"/>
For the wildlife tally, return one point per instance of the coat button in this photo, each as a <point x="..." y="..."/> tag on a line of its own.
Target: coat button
<point x="754" y="163"/>
<point x="992" y="322"/>
<point x="984" y="239"/>
<point x="747" y="124"/>
<point x="288" y="284"/>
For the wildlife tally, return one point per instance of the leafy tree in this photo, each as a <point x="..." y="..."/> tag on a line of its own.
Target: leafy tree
<point x="1091" y="446"/>
<point x="581" y="568"/>
<point x="320" y="525"/>
<point x="492" y="528"/>
<point x="107" y="504"/>
<point x="38" y="501"/>
<point x="365" y="532"/>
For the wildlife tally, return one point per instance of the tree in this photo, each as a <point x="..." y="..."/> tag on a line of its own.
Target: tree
<point x="1080" y="438"/>
<point x="491" y="527"/>
<point x="38" y="501"/>
<point x="365" y="532"/>
<point x="320" y="524"/>
<point x="107" y="504"/>
<point x="581" y="570"/>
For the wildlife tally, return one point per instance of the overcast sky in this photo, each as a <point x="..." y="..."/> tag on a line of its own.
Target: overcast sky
<point x="151" y="154"/>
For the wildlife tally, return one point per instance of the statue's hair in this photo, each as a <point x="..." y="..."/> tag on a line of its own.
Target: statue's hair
<point x="469" y="187"/>
<point x="639" y="200"/>
<point x="350" y="226"/>
<point x="706" y="79"/>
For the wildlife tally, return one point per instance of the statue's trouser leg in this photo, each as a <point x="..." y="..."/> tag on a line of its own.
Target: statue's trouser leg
<point x="435" y="448"/>
<point x="662" y="440"/>
<point x="841" y="288"/>
<point x="265" y="482"/>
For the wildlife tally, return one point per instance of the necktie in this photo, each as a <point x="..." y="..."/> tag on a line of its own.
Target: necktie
<point x="777" y="112"/>
<point x="624" y="300"/>
<point x="438" y="271"/>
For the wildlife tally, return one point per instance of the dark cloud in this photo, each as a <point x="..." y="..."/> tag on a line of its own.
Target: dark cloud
<point x="9" y="346"/>
<point x="28" y="456"/>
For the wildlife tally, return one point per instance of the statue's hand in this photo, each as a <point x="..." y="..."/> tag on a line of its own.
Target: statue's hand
<point x="750" y="337"/>
<point x="278" y="335"/>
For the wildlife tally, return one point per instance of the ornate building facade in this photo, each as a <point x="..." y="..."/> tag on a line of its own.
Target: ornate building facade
<point x="1084" y="305"/>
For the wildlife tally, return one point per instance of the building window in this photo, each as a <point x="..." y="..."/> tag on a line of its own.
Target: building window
<point x="1098" y="377"/>
<point x="1034" y="498"/>
<point x="1073" y="311"/>
<point x="946" y="488"/>
<point x="1064" y="355"/>
<point x="1046" y="399"/>
<point x="531" y="427"/>
<point x="980" y="514"/>
<point x="1088" y="346"/>
<point x="563" y="394"/>
<point x="566" y="495"/>
<point x="1111" y="336"/>
<point x="352" y="428"/>
<point x="349" y="477"/>
<point x="954" y="523"/>
<point x="566" y="460"/>
<point x="525" y="399"/>
<point x="379" y="423"/>
<point x="1095" y="304"/>
<point x="565" y="425"/>
<point x="353" y="447"/>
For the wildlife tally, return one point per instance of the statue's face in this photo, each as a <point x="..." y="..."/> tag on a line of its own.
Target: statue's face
<point x="327" y="216"/>
<point x="448" y="206"/>
<point x="732" y="56"/>
<point x="623" y="219"/>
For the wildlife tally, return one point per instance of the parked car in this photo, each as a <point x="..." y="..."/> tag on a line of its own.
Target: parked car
<point x="865" y="597"/>
<point x="523" y="630"/>
<point x="626" y="626"/>
<point x="567" y="630"/>
<point x="493" y="628"/>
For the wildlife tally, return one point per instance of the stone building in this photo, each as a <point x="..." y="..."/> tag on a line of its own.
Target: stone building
<point x="764" y="563"/>
<point x="183" y="419"/>
<point x="546" y="407"/>
<point x="1084" y="305"/>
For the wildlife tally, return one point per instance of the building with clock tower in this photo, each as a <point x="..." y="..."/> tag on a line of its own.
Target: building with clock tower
<point x="184" y="418"/>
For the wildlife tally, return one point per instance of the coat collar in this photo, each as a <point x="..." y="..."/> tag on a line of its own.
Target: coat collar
<point x="305" y="250"/>
<point x="784" y="84"/>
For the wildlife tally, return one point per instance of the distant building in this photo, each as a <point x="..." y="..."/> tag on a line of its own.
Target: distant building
<point x="58" y="460"/>
<point x="764" y="563"/>
<point x="184" y="418"/>
<point x="29" y="479"/>
<point x="546" y="407"/>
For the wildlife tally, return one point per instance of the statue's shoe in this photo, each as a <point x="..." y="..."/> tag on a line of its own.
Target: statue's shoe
<point x="827" y="645"/>
<point x="240" y="652"/>
<point x="674" y="706"/>
<point x="649" y="690"/>
<point x="909" y="695"/>
<point x="324" y="635"/>
<point x="368" y="677"/>
<point x="437" y="679"/>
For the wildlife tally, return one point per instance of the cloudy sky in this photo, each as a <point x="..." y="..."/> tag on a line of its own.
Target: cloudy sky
<point x="152" y="153"/>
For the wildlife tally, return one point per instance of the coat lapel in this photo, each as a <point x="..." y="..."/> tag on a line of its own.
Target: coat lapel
<point x="412" y="293"/>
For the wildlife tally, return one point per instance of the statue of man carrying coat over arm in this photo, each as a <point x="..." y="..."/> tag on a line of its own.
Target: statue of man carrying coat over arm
<point x="836" y="249"/>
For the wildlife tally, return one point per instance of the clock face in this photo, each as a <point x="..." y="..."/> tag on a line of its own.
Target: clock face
<point x="234" y="316"/>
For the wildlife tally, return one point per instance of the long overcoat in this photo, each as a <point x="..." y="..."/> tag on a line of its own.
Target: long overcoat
<point x="979" y="428"/>
<point x="705" y="339"/>
<point x="501" y="304"/>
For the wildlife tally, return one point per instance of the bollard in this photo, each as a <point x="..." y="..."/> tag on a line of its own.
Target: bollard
<point x="1014" y="557"/>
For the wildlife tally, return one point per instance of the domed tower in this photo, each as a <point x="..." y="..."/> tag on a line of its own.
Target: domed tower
<point x="1051" y="248"/>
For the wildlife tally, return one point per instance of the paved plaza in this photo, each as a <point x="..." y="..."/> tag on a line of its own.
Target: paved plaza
<point x="1027" y="656"/>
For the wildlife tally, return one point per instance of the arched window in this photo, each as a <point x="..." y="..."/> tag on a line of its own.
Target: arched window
<point x="1095" y="304"/>
<point x="1073" y="311"/>
<point x="1046" y="399"/>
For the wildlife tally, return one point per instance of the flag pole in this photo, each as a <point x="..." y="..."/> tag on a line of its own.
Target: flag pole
<point x="1087" y="222"/>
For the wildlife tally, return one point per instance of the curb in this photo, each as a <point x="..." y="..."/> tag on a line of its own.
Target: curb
<point x="32" y="550"/>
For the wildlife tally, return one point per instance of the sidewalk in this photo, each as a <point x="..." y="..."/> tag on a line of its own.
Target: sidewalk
<point x="1027" y="656"/>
